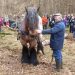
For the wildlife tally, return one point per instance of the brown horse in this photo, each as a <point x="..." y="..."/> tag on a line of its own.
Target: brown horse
<point x="29" y="37"/>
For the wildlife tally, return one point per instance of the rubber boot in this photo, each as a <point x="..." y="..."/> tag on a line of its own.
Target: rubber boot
<point x="58" y="66"/>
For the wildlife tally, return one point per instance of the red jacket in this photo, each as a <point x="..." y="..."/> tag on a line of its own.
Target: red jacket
<point x="44" y="20"/>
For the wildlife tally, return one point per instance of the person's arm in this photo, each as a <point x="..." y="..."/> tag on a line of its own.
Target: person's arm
<point x="55" y="29"/>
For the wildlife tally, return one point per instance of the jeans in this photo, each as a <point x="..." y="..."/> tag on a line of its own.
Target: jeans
<point x="57" y="54"/>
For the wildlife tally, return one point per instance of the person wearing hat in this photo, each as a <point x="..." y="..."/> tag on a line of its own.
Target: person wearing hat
<point x="56" y="39"/>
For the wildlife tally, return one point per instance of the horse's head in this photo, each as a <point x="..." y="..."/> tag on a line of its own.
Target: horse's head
<point x="31" y="24"/>
<point x="32" y="18"/>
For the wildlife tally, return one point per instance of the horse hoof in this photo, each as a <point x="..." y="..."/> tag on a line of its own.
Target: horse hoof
<point x="25" y="61"/>
<point x="36" y="63"/>
<point x="22" y="61"/>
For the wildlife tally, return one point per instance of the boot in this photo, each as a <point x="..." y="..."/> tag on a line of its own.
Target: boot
<point x="61" y="65"/>
<point x="58" y="66"/>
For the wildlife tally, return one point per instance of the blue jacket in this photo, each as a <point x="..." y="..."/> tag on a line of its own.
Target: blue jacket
<point x="57" y="35"/>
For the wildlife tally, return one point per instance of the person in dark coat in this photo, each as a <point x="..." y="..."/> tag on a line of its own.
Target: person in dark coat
<point x="56" y="39"/>
<point x="51" y="21"/>
<point x="74" y="31"/>
<point x="74" y="27"/>
<point x="72" y="21"/>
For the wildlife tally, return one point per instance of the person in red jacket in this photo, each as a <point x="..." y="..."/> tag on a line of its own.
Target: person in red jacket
<point x="44" y="22"/>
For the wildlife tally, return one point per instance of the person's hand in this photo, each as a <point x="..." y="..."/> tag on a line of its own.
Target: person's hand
<point x="38" y="31"/>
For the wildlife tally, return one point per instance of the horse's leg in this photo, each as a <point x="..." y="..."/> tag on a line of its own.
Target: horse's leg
<point x="33" y="56"/>
<point x="24" y="58"/>
<point x="25" y="55"/>
<point x="40" y="47"/>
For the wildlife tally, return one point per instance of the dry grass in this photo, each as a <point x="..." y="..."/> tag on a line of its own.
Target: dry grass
<point x="10" y="55"/>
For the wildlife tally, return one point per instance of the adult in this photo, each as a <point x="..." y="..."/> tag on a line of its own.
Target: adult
<point x="51" y="21"/>
<point x="56" y="39"/>
<point x="44" y="22"/>
<point x="72" y="23"/>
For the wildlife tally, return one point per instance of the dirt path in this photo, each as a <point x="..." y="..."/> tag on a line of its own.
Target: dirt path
<point x="10" y="56"/>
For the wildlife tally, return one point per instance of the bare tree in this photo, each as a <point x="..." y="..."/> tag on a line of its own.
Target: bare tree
<point x="46" y="6"/>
